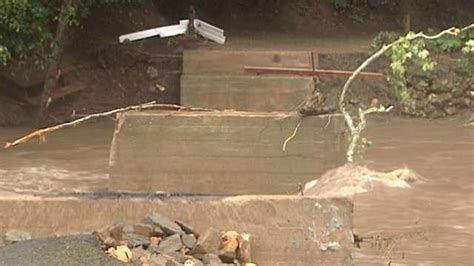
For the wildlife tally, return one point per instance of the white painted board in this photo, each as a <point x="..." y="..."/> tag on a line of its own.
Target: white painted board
<point x="205" y="29"/>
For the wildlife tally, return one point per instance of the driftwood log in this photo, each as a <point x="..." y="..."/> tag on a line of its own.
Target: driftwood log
<point x="41" y="133"/>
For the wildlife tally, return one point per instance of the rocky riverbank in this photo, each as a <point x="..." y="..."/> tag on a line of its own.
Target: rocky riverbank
<point x="161" y="241"/>
<point x="156" y="241"/>
<point x="446" y="91"/>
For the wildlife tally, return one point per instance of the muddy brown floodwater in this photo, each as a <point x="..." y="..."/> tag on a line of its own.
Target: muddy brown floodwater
<point x="431" y="223"/>
<point x="71" y="160"/>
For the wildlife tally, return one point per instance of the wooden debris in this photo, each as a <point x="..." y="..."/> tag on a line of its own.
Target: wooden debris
<point x="58" y="93"/>
<point x="41" y="133"/>
<point x="310" y="72"/>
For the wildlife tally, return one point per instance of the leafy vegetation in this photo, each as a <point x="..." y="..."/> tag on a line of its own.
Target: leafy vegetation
<point x="406" y="50"/>
<point x="408" y="54"/>
<point x="410" y="47"/>
<point x="27" y="27"/>
<point x="25" y="30"/>
<point x="453" y="43"/>
<point x="357" y="8"/>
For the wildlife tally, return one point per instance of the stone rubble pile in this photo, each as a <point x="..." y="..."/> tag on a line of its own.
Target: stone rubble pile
<point x="161" y="241"/>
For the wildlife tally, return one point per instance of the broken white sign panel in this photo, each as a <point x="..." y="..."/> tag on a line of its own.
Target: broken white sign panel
<point x="205" y="29"/>
<point x="209" y="31"/>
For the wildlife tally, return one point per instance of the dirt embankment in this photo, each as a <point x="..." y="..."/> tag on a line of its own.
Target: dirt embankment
<point x="445" y="91"/>
<point x="112" y="75"/>
<point x="115" y="75"/>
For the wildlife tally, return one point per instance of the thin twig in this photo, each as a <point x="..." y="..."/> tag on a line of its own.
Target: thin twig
<point x="292" y="135"/>
<point x="301" y="189"/>
<point x="40" y="133"/>
<point x="328" y="122"/>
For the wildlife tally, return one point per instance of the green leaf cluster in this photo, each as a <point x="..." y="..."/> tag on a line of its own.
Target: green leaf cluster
<point x="357" y="8"/>
<point x="406" y="51"/>
<point x="409" y="53"/>
<point x="452" y="43"/>
<point x="27" y="27"/>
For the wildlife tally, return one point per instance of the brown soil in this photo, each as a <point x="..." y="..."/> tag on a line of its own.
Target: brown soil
<point x="117" y="75"/>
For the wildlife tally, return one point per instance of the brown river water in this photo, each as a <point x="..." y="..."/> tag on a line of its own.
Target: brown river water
<point x="429" y="224"/>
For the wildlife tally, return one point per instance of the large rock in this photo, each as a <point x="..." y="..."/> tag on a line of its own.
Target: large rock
<point x="140" y="253"/>
<point x="116" y="231"/>
<point x="136" y="240"/>
<point x="207" y="242"/>
<point x="210" y="258"/>
<point x="158" y="259"/>
<point x="177" y="256"/>
<point x="228" y="256"/>
<point x="173" y="263"/>
<point x="144" y="230"/>
<point x="189" y="240"/>
<point x="169" y="244"/>
<point x="168" y="226"/>
<point x="188" y="229"/>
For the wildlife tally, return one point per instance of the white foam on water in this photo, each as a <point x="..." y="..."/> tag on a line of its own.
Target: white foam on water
<point x="46" y="179"/>
<point x="349" y="180"/>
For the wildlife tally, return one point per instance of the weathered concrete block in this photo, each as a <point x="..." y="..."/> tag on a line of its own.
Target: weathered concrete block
<point x="285" y="230"/>
<point x="245" y="93"/>
<point x="222" y="152"/>
<point x="233" y="62"/>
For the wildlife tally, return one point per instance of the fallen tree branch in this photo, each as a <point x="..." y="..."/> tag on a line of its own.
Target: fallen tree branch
<point x="356" y="130"/>
<point x="40" y="133"/>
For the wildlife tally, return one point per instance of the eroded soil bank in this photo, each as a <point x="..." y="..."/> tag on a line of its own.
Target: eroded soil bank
<point x="115" y="75"/>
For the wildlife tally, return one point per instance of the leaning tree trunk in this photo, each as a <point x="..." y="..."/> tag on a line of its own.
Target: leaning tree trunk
<point x="407" y="10"/>
<point x="53" y="73"/>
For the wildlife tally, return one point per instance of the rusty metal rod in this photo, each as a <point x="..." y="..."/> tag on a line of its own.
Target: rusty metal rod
<point x="309" y="72"/>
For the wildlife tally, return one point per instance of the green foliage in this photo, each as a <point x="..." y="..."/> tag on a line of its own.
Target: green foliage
<point x="27" y="27"/>
<point x="409" y="55"/>
<point x="342" y="4"/>
<point x="448" y="43"/>
<point x="452" y="43"/>
<point x="83" y="10"/>
<point x="384" y="38"/>
<point x="407" y="51"/>
<point x="357" y="8"/>
<point x="4" y="55"/>
<point x="469" y="47"/>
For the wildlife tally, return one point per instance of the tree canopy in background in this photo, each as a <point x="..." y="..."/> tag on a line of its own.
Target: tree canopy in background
<point x="27" y="27"/>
